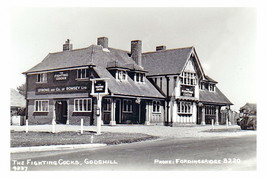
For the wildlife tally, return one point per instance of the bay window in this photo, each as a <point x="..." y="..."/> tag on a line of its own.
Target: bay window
<point x="184" y="107"/>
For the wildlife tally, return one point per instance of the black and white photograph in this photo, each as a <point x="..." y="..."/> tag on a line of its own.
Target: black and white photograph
<point x="133" y="88"/>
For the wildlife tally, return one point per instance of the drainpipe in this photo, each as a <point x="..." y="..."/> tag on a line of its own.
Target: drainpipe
<point x="168" y="101"/>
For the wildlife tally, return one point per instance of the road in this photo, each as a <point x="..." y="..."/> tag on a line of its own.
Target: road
<point x="231" y="153"/>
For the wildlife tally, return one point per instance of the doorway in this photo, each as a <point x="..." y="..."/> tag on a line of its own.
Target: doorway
<point x="142" y="112"/>
<point x="61" y="112"/>
<point x="118" y="111"/>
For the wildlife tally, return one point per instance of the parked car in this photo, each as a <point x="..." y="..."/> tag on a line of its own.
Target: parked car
<point x="248" y="117"/>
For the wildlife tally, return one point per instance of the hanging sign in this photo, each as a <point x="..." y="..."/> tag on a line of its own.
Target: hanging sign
<point x="187" y="91"/>
<point x="100" y="86"/>
<point x="61" y="76"/>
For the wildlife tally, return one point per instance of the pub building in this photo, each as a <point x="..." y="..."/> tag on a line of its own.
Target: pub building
<point x="164" y="87"/>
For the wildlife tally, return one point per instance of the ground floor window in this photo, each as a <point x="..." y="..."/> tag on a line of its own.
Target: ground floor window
<point x="127" y="106"/>
<point x="184" y="107"/>
<point x="107" y="104"/>
<point x="210" y="110"/>
<point x="83" y="105"/>
<point x="41" y="105"/>
<point x="156" y="106"/>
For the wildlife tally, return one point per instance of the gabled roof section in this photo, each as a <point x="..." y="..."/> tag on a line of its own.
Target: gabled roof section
<point x="216" y="97"/>
<point x="101" y="59"/>
<point x="65" y="59"/>
<point x="164" y="62"/>
<point x="210" y="79"/>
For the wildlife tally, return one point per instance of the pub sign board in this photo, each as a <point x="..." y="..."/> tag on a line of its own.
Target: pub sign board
<point x="61" y="89"/>
<point x="61" y="76"/>
<point x="100" y="86"/>
<point x="187" y="91"/>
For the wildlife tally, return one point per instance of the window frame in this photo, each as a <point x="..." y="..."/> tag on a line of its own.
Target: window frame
<point x="129" y="107"/>
<point x="139" y="77"/>
<point x="121" y="75"/>
<point x="108" y="108"/>
<point x="79" y="76"/>
<point x="188" y="78"/>
<point x="43" y="78"/>
<point x="184" y="107"/>
<point x="82" y="104"/>
<point x="157" y="108"/>
<point x="40" y="105"/>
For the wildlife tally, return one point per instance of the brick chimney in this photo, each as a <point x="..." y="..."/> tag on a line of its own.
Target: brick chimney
<point x="67" y="46"/>
<point x="160" y="48"/>
<point x="136" y="51"/>
<point x="102" y="41"/>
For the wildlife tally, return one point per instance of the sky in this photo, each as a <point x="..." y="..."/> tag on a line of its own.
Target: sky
<point x="224" y="38"/>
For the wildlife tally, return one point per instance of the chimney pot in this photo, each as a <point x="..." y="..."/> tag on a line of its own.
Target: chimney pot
<point x="136" y="51"/>
<point x="67" y="46"/>
<point x="102" y="41"/>
<point x="160" y="48"/>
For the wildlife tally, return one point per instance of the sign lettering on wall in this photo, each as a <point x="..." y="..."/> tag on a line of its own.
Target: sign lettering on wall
<point x="61" y="76"/>
<point x="100" y="86"/>
<point x="62" y="89"/>
<point x="187" y="91"/>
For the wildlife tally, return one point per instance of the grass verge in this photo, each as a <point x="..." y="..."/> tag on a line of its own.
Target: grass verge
<point x="22" y="139"/>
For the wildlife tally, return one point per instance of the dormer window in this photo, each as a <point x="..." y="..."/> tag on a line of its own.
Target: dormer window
<point x="42" y="78"/>
<point x="139" y="77"/>
<point x="121" y="75"/>
<point x="211" y="87"/>
<point x="188" y="78"/>
<point x="82" y="73"/>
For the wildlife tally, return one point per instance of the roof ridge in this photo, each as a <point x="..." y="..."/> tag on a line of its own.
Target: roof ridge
<point x="149" y="52"/>
<point x="73" y="49"/>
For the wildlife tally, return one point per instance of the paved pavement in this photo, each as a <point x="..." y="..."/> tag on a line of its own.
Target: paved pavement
<point x="161" y="131"/>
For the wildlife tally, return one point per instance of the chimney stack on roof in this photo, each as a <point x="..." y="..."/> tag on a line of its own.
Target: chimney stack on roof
<point x="102" y="41"/>
<point x="136" y="51"/>
<point x="67" y="46"/>
<point x="160" y="48"/>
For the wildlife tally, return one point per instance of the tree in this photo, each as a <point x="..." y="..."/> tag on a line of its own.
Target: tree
<point x="22" y="89"/>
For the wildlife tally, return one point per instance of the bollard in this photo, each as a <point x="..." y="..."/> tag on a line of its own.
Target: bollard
<point x="53" y="126"/>
<point x="81" y="126"/>
<point x="212" y="123"/>
<point x="27" y="126"/>
<point x="92" y="139"/>
<point x="226" y="123"/>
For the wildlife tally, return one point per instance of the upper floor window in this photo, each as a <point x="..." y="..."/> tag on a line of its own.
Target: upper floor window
<point x="42" y="78"/>
<point x="188" y="78"/>
<point x="83" y="105"/>
<point x="41" y="106"/>
<point x="211" y="87"/>
<point x="82" y="73"/>
<point x="139" y="77"/>
<point x="127" y="106"/>
<point x="121" y="75"/>
<point x="156" y="106"/>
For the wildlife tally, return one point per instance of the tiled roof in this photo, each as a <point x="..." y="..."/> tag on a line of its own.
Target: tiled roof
<point x="213" y="97"/>
<point x="210" y="79"/>
<point x="95" y="55"/>
<point x="166" y="61"/>
<point x="249" y="107"/>
<point x="16" y="99"/>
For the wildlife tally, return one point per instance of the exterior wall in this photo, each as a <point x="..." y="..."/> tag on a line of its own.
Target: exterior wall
<point x="40" y="117"/>
<point x="74" y="118"/>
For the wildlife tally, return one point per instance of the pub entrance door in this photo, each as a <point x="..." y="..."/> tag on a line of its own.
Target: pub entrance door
<point x="118" y="111"/>
<point x="61" y="112"/>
